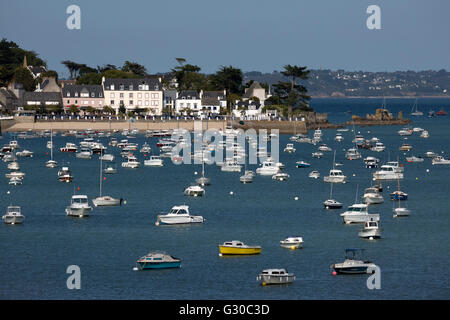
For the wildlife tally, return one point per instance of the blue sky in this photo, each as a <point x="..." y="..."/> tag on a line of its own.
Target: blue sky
<point x="252" y="35"/>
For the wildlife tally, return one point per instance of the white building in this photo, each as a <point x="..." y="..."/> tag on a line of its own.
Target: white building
<point x="144" y="94"/>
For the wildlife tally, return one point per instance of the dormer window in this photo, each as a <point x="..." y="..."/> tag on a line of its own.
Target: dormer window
<point x="76" y="94"/>
<point x="131" y="87"/>
<point x="121" y="87"/>
<point x="68" y="94"/>
<point x="112" y="87"/>
<point x="92" y="95"/>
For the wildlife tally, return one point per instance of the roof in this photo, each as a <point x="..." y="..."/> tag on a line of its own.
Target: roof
<point x="189" y="94"/>
<point x="133" y="84"/>
<point x="41" y="96"/>
<point x="37" y="69"/>
<point x="249" y="92"/>
<point x="212" y="98"/>
<point x="95" y="89"/>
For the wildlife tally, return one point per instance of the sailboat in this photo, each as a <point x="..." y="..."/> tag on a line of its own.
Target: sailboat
<point x="400" y="212"/>
<point x="332" y="203"/>
<point x="51" y="163"/>
<point x="104" y="200"/>
<point x="203" y="181"/>
<point x="415" y="111"/>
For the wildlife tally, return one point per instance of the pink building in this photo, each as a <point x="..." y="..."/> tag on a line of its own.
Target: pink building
<point x="83" y="96"/>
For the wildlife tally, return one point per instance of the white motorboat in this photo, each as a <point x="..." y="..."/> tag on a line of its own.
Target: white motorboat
<point x="379" y="147"/>
<point x="13" y="165"/>
<point x="405" y="132"/>
<point x="110" y="169"/>
<point x="132" y="162"/>
<point x="372" y="196"/>
<point x="353" y="154"/>
<point x="13" y="215"/>
<point x="440" y="160"/>
<point x="354" y="263"/>
<point x="145" y="148"/>
<point x="405" y="147"/>
<point x="247" y="177"/>
<point x="289" y="148"/>
<point x="338" y="137"/>
<point x="396" y="166"/>
<point x="292" y="243"/>
<point x="324" y="147"/>
<point x="371" y="230"/>
<point x="107" y="157"/>
<point x="231" y="166"/>
<point x="335" y="176"/>
<point x="414" y="159"/>
<point x="387" y="172"/>
<point x="275" y="276"/>
<point x="314" y="174"/>
<point x="317" y="154"/>
<point x="194" y="191"/>
<point x="358" y="213"/>
<point x="430" y="154"/>
<point x="268" y="168"/>
<point x="13" y="174"/>
<point x="425" y="134"/>
<point x="79" y="206"/>
<point x="178" y="215"/>
<point x="154" y="161"/>
<point x="401" y="212"/>
<point x="25" y="153"/>
<point x="280" y="176"/>
<point x="69" y="147"/>
<point x="84" y="153"/>
<point x="65" y="175"/>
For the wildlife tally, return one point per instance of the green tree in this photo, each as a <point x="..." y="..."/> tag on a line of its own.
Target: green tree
<point x="228" y="78"/>
<point x="12" y="57"/>
<point x="188" y="76"/>
<point x="295" y="94"/>
<point x="90" y="78"/>
<point x="23" y="76"/>
<point x="134" y="68"/>
<point x="73" y="67"/>
<point x="118" y="74"/>
<point x="73" y="109"/>
<point x="109" y="110"/>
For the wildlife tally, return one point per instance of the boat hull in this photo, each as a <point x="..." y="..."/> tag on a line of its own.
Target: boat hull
<point x="359" y="218"/>
<point x="370" y="233"/>
<point x="158" y="265"/>
<point x="224" y="250"/>
<point x="275" y="279"/>
<point x="13" y="219"/>
<point x="78" y="212"/>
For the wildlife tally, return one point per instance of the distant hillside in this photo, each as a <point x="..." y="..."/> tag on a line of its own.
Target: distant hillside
<point x="340" y="83"/>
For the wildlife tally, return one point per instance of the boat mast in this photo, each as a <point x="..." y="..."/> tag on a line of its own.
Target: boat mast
<point x="100" y="192"/>
<point x="51" y="142"/>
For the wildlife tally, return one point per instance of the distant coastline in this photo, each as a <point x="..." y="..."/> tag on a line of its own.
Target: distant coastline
<point x="380" y="97"/>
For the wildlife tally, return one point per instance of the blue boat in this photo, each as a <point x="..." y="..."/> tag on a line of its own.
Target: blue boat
<point x="156" y="260"/>
<point x="399" y="195"/>
<point x="302" y="164"/>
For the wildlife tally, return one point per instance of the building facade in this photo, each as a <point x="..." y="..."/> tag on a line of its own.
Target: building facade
<point x="144" y="94"/>
<point x="83" y="96"/>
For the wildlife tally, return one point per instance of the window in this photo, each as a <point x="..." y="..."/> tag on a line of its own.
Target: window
<point x="68" y="94"/>
<point x="154" y="103"/>
<point x="76" y="94"/>
<point x="146" y="102"/>
<point x="112" y="87"/>
<point x="140" y="103"/>
<point x="139" y="95"/>
<point x="92" y="95"/>
<point x="121" y="95"/>
<point x="130" y="95"/>
<point x="85" y="102"/>
<point x="121" y="101"/>
<point x="131" y="102"/>
<point x="68" y="101"/>
<point x="76" y="101"/>
<point x="121" y="87"/>
<point x="155" y="95"/>
<point x="112" y="102"/>
<point x="146" y="96"/>
<point x="131" y="87"/>
<point x="111" y="95"/>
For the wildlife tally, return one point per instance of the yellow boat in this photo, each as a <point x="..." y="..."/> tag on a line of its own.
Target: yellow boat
<point x="237" y="248"/>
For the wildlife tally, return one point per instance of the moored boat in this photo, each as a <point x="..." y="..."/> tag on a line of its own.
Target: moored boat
<point x="275" y="276"/>
<point x="157" y="260"/>
<point x="236" y="247"/>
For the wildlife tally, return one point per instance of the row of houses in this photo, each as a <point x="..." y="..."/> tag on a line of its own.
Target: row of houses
<point x="143" y="95"/>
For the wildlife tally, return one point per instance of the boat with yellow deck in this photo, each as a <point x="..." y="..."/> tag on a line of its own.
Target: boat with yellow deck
<point x="236" y="247"/>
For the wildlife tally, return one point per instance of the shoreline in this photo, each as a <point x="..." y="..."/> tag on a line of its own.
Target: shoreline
<point x="284" y="127"/>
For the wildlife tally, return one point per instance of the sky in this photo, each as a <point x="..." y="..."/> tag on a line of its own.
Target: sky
<point x="253" y="35"/>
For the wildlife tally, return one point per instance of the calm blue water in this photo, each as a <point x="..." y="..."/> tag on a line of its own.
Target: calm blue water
<point x="413" y="254"/>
